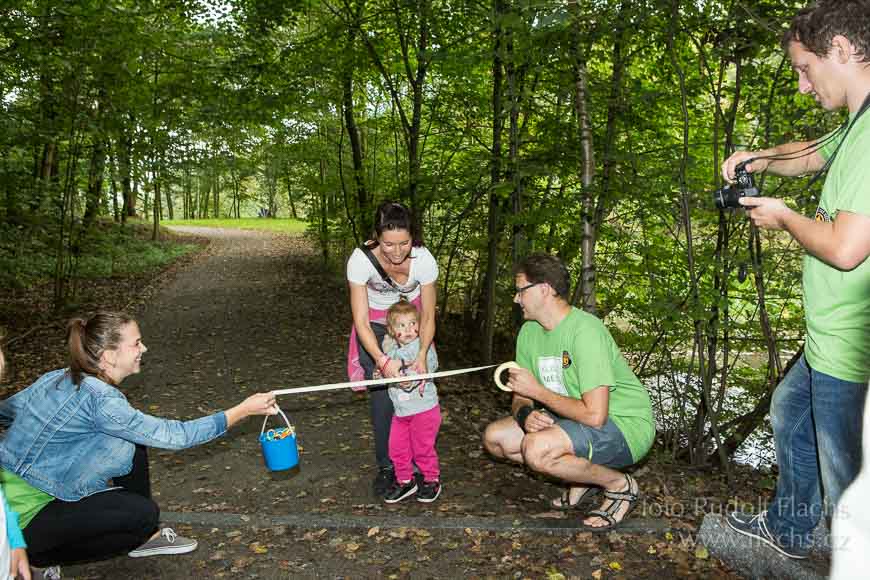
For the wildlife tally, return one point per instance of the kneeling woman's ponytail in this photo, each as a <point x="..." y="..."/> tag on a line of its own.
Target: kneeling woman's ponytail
<point x="87" y="339"/>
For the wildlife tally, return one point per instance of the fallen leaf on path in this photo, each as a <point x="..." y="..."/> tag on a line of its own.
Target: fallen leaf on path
<point x="258" y="548"/>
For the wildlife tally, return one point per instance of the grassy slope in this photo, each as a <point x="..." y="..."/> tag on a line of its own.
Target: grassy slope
<point x="287" y="226"/>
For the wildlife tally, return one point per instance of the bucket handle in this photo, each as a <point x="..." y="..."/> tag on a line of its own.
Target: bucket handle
<point x="266" y="418"/>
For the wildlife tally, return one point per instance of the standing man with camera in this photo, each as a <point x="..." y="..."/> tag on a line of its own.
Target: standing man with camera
<point x="816" y="410"/>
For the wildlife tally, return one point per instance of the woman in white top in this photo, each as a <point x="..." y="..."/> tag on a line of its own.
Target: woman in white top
<point x="393" y="265"/>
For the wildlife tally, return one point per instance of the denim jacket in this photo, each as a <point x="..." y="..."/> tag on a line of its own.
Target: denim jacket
<point x="70" y="441"/>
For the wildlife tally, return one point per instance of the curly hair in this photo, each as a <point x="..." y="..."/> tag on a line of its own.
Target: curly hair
<point x="816" y="26"/>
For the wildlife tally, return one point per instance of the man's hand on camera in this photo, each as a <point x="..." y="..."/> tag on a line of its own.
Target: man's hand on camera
<point x="729" y="168"/>
<point x="765" y="212"/>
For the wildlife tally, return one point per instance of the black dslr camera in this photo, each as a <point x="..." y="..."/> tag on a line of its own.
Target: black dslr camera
<point x="743" y="186"/>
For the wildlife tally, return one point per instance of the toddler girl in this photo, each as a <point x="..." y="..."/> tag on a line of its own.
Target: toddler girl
<point x="417" y="415"/>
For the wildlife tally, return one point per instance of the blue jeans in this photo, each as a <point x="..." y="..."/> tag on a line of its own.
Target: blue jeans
<point x="817" y="422"/>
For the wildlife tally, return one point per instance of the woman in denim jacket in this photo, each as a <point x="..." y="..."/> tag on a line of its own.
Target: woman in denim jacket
<point x="73" y="458"/>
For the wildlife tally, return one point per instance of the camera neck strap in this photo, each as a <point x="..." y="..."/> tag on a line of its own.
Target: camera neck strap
<point x="851" y="123"/>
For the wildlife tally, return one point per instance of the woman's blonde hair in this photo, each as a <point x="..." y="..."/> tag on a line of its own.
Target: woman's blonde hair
<point x="400" y="308"/>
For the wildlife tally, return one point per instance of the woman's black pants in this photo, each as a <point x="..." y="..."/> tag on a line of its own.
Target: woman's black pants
<point x="97" y="527"/>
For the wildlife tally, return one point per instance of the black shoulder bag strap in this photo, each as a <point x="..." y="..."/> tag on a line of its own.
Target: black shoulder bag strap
<point x="380" y="269"/>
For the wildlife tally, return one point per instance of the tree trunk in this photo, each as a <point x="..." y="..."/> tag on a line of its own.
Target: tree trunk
<point x="217" y="195"/>
<point x="113" y="188"/>
<point x="125" y="160"/>
<point x="416" y="81"/>
<point x="488" y="298"/>
<point x="95" y="183"/>
<point x="585" y="289"/>
<point x="364" y="212"/>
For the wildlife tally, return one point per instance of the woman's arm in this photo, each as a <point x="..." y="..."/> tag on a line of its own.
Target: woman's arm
<point x="427" y="324"/>
<point x="359" y="307"/>
<point x="114" y="416"/>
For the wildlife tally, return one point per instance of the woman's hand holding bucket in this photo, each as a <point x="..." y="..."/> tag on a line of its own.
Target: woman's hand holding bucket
<point x="258" y="404"/>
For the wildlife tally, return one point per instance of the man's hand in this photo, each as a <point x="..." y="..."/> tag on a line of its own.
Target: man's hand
<point x="729" y="167"/>
<point x="766" y="212"/>
<point x="522" y="382"/>
<point x="538" y="420"/>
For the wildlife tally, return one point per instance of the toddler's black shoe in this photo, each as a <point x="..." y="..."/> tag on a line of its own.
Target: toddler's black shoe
<point x="400" y="491"/>
<point x="429" y="491"/>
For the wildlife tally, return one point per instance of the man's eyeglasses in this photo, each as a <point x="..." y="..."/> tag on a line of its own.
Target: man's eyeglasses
<point x="524" y="288"/>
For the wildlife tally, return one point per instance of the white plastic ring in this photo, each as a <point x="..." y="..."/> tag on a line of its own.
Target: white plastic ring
<point x="497" y="376"/>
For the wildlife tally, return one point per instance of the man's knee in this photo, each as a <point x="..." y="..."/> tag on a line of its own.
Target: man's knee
<point x="539" y="451"/>
<point x="493" y="440"/>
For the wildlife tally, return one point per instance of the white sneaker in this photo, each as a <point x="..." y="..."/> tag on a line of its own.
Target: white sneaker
<point x="166" y="542"/>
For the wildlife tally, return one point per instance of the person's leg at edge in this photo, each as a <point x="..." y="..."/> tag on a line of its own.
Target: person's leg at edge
<point x="423" y="433"/>
<point x="797" y="502"/>
<point x="838" y="411"/>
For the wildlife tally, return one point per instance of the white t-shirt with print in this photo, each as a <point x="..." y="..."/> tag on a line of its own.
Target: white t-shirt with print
<point x="424" y="270"/>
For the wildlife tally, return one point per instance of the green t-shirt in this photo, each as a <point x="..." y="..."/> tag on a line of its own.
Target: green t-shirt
<point x="23" y="498"/>
<point x="580" y="355"/>
<point x="837" y="303"/>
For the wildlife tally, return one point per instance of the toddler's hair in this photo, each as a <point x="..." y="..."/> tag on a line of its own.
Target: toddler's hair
<point x="400" y="308"/>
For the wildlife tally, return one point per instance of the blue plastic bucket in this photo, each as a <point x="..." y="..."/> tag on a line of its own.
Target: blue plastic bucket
<point x="279" y="454"/>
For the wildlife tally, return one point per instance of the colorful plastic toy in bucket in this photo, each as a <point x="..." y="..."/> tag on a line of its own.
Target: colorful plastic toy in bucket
<point x="280" y="451"/>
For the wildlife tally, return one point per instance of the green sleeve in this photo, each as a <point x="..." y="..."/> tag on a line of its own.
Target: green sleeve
<point x="523" y="356"/>
<point x="591" y="367"/>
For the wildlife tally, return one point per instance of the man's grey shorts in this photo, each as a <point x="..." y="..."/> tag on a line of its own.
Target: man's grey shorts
<point x="606" y="446"/>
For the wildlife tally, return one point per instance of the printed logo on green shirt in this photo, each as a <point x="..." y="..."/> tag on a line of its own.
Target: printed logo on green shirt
<point x="566" y="359"/>
<point x="822" y="215"/>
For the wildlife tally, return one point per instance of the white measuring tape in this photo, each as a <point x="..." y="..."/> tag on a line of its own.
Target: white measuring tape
<point x="410" y="378"/>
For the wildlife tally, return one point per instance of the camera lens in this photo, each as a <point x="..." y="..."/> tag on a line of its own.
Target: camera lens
<point x="725" y="197"/>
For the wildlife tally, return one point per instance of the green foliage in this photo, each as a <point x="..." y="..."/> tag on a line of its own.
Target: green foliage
<point x="227" y="108"/>
<point x="108" y="250"/>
